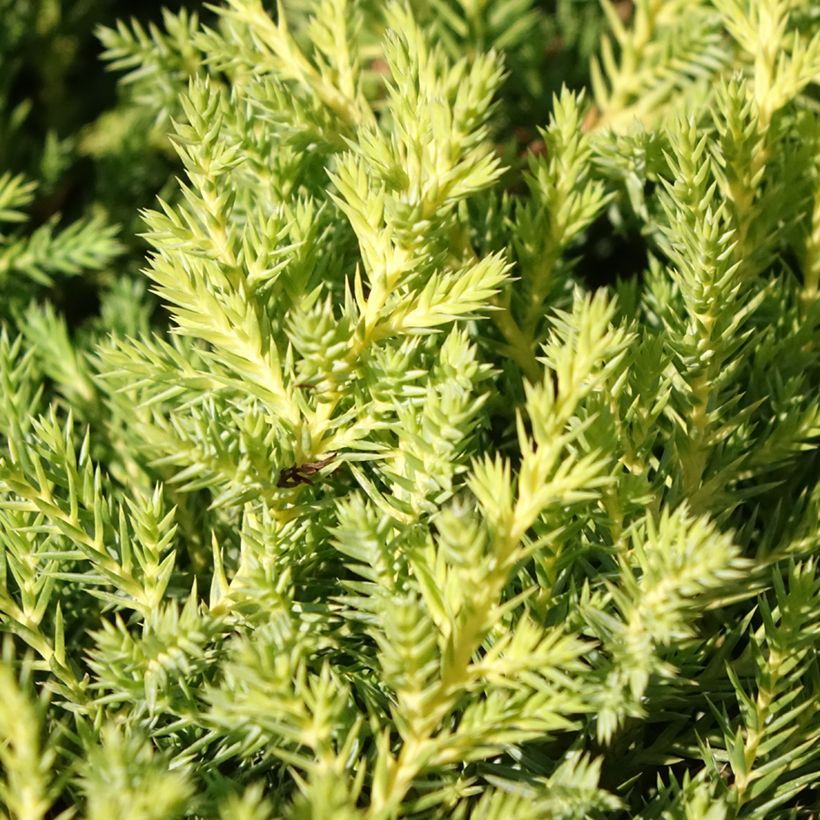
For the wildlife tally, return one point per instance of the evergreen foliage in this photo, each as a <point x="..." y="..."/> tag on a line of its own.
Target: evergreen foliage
<point x="400" y="514"/>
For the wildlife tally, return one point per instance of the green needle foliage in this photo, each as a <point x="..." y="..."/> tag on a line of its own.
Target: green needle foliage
<point x="394" y="512"/>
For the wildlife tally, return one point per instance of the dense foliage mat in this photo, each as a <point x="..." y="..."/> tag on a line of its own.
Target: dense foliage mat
<point x="411" y="409"/>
